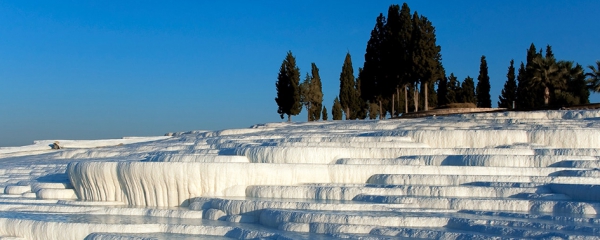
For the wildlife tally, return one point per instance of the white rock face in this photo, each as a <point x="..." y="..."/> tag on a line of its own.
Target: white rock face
<point x="504" y="175"/>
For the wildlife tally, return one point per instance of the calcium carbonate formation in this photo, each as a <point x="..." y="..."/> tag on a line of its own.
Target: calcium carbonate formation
<point x="492" y="175"/>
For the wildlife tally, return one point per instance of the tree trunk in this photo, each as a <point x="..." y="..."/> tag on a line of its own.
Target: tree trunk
<point x="426" y="99"/>
<point x="289" y="118"/>
<point x="416" y="98"/>
<point x="405" y="100"/>
<point x="398" y="94"/>
<point x="347" y="113"/>
<point x="307" y="113"/>
<point x="381" y="116"/>
<point x="392" y="106"/>
<point x="546" y="96"/>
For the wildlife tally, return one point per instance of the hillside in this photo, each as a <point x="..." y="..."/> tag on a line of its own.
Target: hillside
<point x="479" y="175"/>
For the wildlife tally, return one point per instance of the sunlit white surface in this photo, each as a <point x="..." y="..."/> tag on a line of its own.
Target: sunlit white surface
<point x="508" y="175"/>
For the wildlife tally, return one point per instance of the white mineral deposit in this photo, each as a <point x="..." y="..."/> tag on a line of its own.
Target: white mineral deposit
<point x="486" y="175"/>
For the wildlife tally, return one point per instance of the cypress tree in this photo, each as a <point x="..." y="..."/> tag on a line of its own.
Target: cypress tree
<point x="527" y="91"/>
<point x="362" y="107"/>
<point x="347" y="90"/>
<point x="468" y="91"/>
<point x="484" y="99"/>
<point x="336" y="111"/>
<point x="311" y="94"/>
<point x="442" y="92"/>
<point x="288" y="88"/>
<point x="324" y="113"/>
<point x="317" y="96"/>
<point x="549" y="53"/>
<point x="424" y="57"/>
<point x="401" y="54"/>
<point x="306" y="95"/>
<point x="372" y="75"/>
<point x="396" y="51"/>
<point x="440" y="76"/>
<point x="509" y="92"/>
<point x="454" y="89"/>
<point x="522" y="87"/>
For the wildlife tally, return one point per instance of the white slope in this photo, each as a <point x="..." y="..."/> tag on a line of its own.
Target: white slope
<point x="491" y="175"/>
<point x="45" y="146"/>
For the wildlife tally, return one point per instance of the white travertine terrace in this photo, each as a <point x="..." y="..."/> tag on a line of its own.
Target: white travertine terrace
<point x="491" y="175"/>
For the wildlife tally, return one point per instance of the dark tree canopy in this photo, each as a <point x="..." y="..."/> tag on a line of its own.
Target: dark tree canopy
<point x="484" y="100"/>
<point x="575" y="92"/>
<point x="360" y="111"/>
<point x="545" y="73"/>
<point x="509" y="92"/>
<point x="401" y="54"/>
<point x="527" y="92"/>
<point x="312" y="94"/>
<point x="324" y="113"/>
<point x="372" y="74"/>
<point x="305" y="94"/>
<point x="336" y="110"/>
<point x="468" y="91"/>
<point x="348" y="94"/>
<point x="547" y="83"/>
<point x="288" y="88"/>
<point x="442" y="92"/>
<point x="426" y="58"/>
<point x="396" y="49"/>
<point x="454" y="89"/>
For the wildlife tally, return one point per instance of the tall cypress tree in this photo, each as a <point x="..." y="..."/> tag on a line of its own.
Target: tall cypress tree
<point x="401" y="54"/>
<point x="454" y="89"/>
<point x="427" y="56"/>
<point x="372" y="75"/>
<point x="396" y="50"/>
<point x="509" y="92"/>
<point x="522" y="86"/>
<point x="306" y="95"/>
<point x="484" y="100"/>
<point x="468" y="91"/>
<point x="288" y="88"/>
<point x="336" y="110"/>
<point x="324" y="113"/>
<point x="549" y="53"/>
<point x="347" y="90"/>
<point x="311" y="94"/>
<point x="527" y="92"/>
<point x="317" y="96"/>
<point x="362" y="107"/>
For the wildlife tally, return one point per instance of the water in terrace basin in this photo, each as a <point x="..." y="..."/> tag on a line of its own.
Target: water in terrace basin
<point x="507" y="175"/>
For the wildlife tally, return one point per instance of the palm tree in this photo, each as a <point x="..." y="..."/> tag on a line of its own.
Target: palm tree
<point x="546" y="74"/>
<point x="594" y="77"/>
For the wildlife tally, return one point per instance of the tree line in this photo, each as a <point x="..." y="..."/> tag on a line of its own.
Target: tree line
<point x="402" y="68"/>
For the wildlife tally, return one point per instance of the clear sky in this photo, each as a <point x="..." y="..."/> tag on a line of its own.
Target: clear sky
<point x="108" y="69"/>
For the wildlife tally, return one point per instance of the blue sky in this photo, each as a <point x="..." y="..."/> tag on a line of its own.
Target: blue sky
<point x="91" y="70"/>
